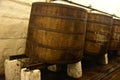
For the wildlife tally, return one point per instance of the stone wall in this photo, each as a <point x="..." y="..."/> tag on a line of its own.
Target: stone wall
<point x="14" y="19"/>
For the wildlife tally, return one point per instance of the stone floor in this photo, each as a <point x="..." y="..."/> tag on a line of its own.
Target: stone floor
<point x="91" y="72"/>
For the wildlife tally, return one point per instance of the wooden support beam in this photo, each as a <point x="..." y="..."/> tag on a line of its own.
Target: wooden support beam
<point x="17" y="56"/>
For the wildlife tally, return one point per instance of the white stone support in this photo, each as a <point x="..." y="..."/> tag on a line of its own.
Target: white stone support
<point x="74" y="70"/>
<point x="52" y="68"/>
<point x="23" y="74"/>
<point x="104" y="59"/>
<point x="30" y="74"/>
<point x="12" y="69"/>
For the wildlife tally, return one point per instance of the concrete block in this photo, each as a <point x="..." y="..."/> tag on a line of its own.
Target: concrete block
<point x="12" y="70"/>
<point x="23" y="74"/>
<point x="74" y="70"/>
<point x="52" y="68"/>
<point x="103" y="59"/>
<point x="30" y="74"/>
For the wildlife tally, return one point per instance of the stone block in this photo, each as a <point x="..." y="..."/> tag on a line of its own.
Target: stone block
<point x="74" y="70"/>
<point x="52" y="68"/>
<point x="10" y="47"/>
<point x="30" y="74"/>
<point x="12" y="70"/>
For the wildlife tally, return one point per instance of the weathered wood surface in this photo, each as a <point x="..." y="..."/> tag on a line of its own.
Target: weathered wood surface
<point x="56" y="35"/>
<point x="115" y="35"/>
<point x="97" y="33"/>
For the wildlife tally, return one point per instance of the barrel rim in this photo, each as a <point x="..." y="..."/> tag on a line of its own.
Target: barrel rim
<point x="116" y="19"/>
<point x="115" y="22"/>
<point x="104" y="15"/>
<point x="56" y="4"/>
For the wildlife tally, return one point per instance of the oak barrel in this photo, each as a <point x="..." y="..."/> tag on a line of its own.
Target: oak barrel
<point x="56" y="33"/>
<point x="115" y="35"/>
<point x="97" y="33"/>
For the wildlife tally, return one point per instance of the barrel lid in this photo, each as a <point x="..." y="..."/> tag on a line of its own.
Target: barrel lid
<point x="116" y="21"/>
<point x="98" y="17"/>
<point x="62" y="4"/>
<point x="66" y="3"/>
<point x="100" y="13"/>
<point x="116" y="18"/>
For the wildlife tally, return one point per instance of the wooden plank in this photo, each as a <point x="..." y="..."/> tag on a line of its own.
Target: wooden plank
<point x="18" y="56"/>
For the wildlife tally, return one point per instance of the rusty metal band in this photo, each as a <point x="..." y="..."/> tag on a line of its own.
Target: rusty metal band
<point x="117" y="40"/>
<point x="117" y="33"/>
<point x="93" y="54"/>
<point x="99" y="42"/>
<point x="53" y="48"/>
<point x="98" y="22"/>
<point x="115" y="48"/>
<point x="57" y="31"/>
<point x="102" y="33"/>
<point x="60" y="17"/>
<point x="116" y="24"/>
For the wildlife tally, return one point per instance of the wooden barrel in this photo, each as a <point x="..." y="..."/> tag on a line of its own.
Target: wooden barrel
<point x="56" y="33"/>
<point x="97" y="33"/>
<point x="115" y="35"/>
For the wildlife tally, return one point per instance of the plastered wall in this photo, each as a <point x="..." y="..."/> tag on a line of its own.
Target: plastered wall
<point x="14" y="19"/>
